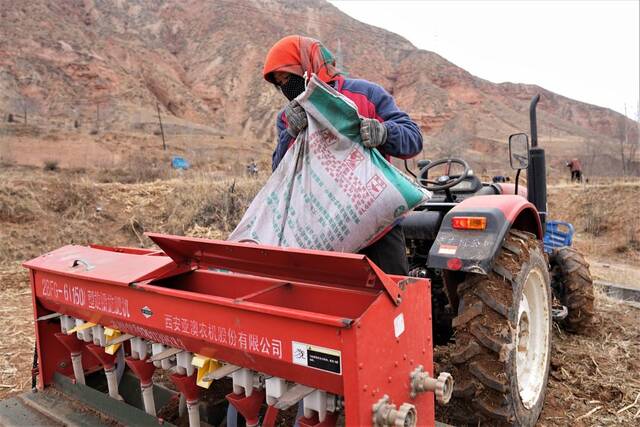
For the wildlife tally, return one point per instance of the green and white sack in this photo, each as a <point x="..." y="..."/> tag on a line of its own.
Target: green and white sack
<point x="329" y="192"/>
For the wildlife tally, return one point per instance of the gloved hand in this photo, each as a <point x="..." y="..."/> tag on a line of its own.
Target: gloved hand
<point x="373" y="133"/>
<point x="296" y="118"/>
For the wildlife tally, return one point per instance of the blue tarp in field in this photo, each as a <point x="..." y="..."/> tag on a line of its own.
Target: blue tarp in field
<point x="178" y="162"/>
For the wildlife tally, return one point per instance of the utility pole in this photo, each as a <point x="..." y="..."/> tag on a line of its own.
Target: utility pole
<point x="97" y="116"/>
<point x="636" y="144"/>
<point x="76" y="124"/>
<point x="625" y="143"/>
<point x="164" y="145"/>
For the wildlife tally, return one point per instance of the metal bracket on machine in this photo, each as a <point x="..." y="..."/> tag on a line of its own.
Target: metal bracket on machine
<point x="292" y="396"/>
<point x="393" y="290"/>
<point x="165" y="354"/>
<point x="222" y="372"/>
<point x="48" y="317"/>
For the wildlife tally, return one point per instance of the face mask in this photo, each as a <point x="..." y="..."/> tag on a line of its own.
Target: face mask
<point x="293" y="87"/>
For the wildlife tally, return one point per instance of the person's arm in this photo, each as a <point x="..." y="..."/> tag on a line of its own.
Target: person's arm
<point x="404" y="139"/>
<point x="285" y="140"/>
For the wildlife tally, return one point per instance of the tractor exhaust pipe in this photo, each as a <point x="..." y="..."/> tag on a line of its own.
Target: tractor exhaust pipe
<point x="537" y="170"/>
<point x="533" y="121"/>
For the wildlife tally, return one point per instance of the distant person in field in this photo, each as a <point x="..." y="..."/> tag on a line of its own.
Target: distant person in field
<point x="384" y="126"/>
<point x="252" y="168"/>
<point x="576" y="170"/>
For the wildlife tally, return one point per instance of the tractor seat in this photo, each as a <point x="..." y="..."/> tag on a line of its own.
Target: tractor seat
<point x="488" y="190"/>
<point x="422" y="225"/>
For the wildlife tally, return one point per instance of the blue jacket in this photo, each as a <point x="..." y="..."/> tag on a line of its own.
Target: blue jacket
<point x="404" y="139"/>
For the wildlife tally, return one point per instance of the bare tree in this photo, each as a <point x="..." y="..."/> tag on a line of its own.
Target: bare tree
<point x="634" y="148"/>
<point x="22" y="109"/>
<point x="622" y="137"/>
<point x="629" y="144"/>
<point x="591" y="156"/>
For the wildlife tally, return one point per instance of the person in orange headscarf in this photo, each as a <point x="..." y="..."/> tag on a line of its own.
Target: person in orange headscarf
<point x="383" y="126"/>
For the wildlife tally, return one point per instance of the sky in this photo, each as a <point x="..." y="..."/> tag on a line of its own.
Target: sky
<point x="585" y="50"/>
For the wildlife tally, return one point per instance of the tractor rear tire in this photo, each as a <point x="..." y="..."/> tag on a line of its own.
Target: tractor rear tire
<point x="501" y="355"/>
<point x="573" y="286"/>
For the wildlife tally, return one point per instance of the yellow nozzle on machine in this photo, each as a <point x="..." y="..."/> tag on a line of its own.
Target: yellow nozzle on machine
<point x="205" y="366"/>
<point x="111" y="334"/>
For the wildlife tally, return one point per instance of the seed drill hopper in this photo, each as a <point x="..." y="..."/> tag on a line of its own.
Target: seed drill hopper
<point x="328" y="333"/>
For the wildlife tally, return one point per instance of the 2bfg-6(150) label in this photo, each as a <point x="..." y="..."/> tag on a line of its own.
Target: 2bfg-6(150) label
<point x="313" y="356"/>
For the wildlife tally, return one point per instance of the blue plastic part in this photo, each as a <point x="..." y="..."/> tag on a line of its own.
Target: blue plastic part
<point x="232" y="416"/>
<point x="558" y="235"/>
<point x="178" y="162"/>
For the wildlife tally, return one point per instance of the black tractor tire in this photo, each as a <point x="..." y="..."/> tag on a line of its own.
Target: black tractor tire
<point x="573" y="286"/>
<point x="483" y="358"/>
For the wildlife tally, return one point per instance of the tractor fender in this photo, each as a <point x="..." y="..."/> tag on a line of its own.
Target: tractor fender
<point x="506" y="188"/>
<point x="473" y="251"/>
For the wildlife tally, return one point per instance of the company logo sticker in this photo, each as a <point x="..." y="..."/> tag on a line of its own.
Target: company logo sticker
<point x="146" y="312"/>
<point x="312" y="356"/>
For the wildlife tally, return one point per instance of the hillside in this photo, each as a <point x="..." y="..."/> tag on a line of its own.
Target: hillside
<point x="107" y="64"/>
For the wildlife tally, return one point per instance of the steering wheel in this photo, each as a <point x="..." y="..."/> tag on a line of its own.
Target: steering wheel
<point x="444" y="182"/>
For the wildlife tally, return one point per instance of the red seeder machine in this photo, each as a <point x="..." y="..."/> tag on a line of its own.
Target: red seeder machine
<point x="327" y="332"/>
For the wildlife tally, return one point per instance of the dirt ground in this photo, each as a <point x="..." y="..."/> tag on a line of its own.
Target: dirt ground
<point x="17" y="343"/>
<point x="594" y="378"/>
<point x="113" y="151"/>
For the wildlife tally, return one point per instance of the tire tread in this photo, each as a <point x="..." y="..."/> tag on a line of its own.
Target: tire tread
<point x="482" y="390"/>
<point x="573" y="286"/>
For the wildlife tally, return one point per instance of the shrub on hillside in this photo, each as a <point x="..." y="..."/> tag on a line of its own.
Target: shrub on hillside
<point x="203" y="202"/>
<point x="51" y="165"/>
<point x="17" y="204"/>
<point x="73" y="199"/>
<point x="138" y="167"/>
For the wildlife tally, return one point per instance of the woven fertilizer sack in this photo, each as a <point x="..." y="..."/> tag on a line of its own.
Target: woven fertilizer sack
<point x="329" y="192"/>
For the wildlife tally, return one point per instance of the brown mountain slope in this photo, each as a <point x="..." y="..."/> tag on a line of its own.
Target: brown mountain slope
<point x="201" y="61"/>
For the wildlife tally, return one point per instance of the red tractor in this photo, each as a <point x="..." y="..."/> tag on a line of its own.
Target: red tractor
<point x="495" y="292"/>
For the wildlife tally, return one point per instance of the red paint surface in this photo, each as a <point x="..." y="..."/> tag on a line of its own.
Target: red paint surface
<point x="270" y="417"/>
<point x="187" y="386"/>
<point x="107" y="360"/>
<point x="512" y="207"/>
<point x="511" y="189"/>
<point x="251" y="317"/>
<point x="142" y="369"/>
<point x="248" y="406"/>
<point x="329" y="421"/>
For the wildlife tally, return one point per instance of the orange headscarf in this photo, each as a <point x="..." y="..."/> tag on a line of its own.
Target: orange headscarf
<point x="297" y="55"/>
